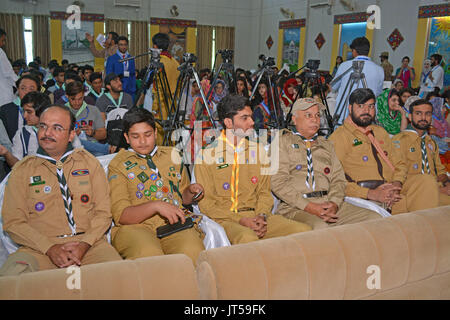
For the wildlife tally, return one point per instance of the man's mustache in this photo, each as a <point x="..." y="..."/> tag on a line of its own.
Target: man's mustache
<point x="47" y="138"/>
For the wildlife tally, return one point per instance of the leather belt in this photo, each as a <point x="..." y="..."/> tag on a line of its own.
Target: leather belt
<point x="69" y="235"/>
<point x="246" y="209"/>
<point x="315" y="194"/>
<point x="370" y="184"/>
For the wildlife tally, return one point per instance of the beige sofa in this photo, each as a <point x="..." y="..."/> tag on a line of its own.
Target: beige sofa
<point x="412" y="252"/>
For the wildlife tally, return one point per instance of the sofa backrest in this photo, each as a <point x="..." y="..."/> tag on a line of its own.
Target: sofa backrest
<point x="410" y="251"/>
<point x="162" y="277"/>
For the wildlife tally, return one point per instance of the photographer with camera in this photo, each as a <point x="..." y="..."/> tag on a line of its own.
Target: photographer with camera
<point x="374" y="75"/>
<point x="162" y="41"/>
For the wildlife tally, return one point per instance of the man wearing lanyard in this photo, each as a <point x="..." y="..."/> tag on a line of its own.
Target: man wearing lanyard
<point x="437" y="72"/>
<point x="113" y="97"/>
<point x="62" y="212"/>
<point x="96" y="89"/>
<point x="374" y="75"/>
<point x="124" y="69"/>
<point x="149" y="185"/>
<point x="235" y="173"/>
<point x="12" y="114"/>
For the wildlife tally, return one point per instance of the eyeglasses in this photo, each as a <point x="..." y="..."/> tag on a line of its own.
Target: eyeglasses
<point x="370" y="106"/>
<point x="56" y="127"/>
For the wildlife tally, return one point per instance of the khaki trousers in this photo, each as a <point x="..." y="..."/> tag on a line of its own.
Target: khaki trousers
<point x="277" y="226"/>
<point x="420" y="191"/>
<point x="137" y="241"/>
<point x="28" y="260"/>
<point x="347" y="214"/>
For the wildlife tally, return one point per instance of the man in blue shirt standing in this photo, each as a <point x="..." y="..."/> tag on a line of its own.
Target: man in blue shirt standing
<point x="126" y="69"/>
<point x="373" y="73"/>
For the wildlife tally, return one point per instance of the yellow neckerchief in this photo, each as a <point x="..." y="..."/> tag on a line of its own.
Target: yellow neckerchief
<point x="235" y="172"/>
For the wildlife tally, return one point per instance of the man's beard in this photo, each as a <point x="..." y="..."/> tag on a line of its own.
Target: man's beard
<point x="362" y="123"/>
<point x="419" y="126"/>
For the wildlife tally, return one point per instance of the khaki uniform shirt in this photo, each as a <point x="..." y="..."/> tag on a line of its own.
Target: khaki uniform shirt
<point x="354" y="150"/>
<point x="288" y="183"/>
<point x="388" y="70"/>
<point x="409" y="145"/>
<point x="133" y="183"/>
<point x="222" y="180"/>
<point x="33" y="209"/>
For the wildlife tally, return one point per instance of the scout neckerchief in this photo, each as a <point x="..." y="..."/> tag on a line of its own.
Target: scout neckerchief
<point x="108" y="94"/>
<point x="425" y="163"/>
<point x="17" y="103"/>
<point x="154" y="168"/>
<point x="368" y="132"/>
<point x="79" y="111"/>
<point x="97" y="95"/>
<point x="235" y="172"/>
<point x="309" y="159"/>
<point x="284" y="95"/>
<point x="65" y="192"/>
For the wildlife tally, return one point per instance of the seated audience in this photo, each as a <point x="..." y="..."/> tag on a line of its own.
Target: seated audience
<point x="373" y="168"/>
<point x="234" y="172"/>
<point x="310" y="181"/>
<point x="390" y="115"/>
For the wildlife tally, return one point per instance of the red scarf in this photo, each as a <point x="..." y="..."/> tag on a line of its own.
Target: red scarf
<point x="167" y="54"/>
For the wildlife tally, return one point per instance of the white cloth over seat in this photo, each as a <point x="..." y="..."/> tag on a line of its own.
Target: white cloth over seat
<point x="367" y="205"/>
<point x="215" y="235"/>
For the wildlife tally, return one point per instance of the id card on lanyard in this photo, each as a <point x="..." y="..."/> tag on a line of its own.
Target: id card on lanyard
<point x="126" y="73"/>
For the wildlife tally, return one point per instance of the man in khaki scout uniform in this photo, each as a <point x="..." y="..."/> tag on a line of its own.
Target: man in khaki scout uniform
<point x="387" y="66"/>
<point x="310" y="181"/>
<point x="149" y="185"/>
<point x="234" y="172"/>
<point x="56" y="204"/>
<point x="372" y="166"/>
<point x="419" y="151"/>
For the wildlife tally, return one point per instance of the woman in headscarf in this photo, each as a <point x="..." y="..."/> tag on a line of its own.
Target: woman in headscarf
<point x="390" y="115"/>
<point x="262" y="105"/>
<point x="425" y="82"/>
<point x="398" y="84"/>
<point x="219" y="91"/>
<point x="288" y="94"/>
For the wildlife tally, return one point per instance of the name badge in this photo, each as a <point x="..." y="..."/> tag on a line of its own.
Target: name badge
<point x="126" y="74"/>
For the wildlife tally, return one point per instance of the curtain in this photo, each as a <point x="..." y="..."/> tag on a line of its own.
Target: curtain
<point x="41" y="38"/>
<point x="15" y="44"/>
<point x="204" y="46"/>
<point x="224" y="40"/>
<point x="118" y="26"/>
<point x="139" y="42"/>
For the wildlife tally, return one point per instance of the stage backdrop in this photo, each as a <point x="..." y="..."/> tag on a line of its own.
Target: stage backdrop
<point x="433" y="28"/>
<point x="71" y="44"/>
<point x="291" y="43"/>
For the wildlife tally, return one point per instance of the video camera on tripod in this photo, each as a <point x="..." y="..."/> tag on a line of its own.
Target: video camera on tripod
<point x="188" y="60"/>
<point x="227" y="55"/>
<point x="267" y="61"/>
<point x="313" y="65"/>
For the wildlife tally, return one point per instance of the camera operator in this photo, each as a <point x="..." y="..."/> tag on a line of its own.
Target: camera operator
<point x="161" y="41"/>
<point x="374" y="75"/>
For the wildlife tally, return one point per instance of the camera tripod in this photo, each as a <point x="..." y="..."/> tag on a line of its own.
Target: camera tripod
<point x="226" y="66"/>
<point x="356" y="77"/>
<point x="176" y="118"/>
<point x="312" y="78"/>
<point x="275" y="113"/>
